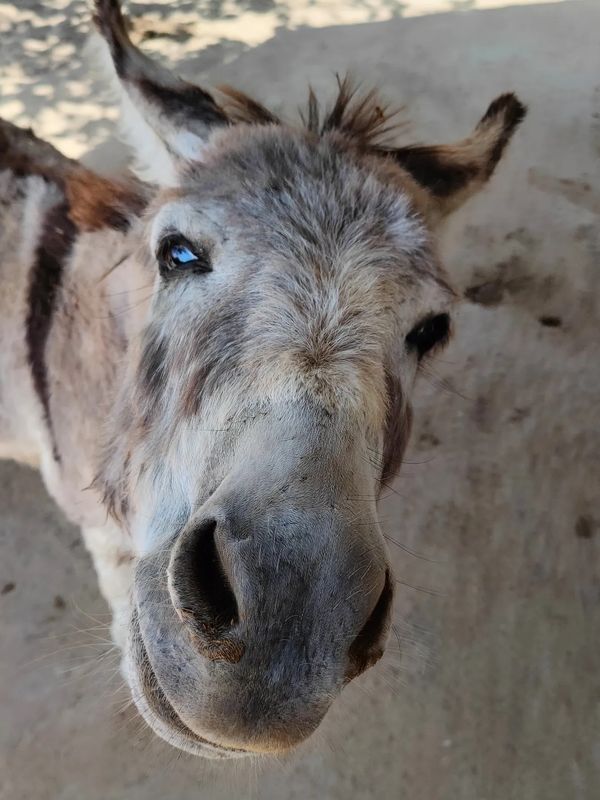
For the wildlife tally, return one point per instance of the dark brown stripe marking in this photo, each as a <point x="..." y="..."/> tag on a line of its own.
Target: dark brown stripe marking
<point x="436" y="170"/>
<point x="55" y="244"/>
<point x="183" y="101"/>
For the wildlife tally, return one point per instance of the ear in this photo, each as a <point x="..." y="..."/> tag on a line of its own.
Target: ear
<point x="452" y="173"/>
<point x="166" y="119"/>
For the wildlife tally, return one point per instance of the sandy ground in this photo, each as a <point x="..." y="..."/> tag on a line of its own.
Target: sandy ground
<point x="492" y="690"/>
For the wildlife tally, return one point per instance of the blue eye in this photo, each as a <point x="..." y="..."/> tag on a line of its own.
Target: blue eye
<point x="180" y="254"/>
<point x="177" y="256"/>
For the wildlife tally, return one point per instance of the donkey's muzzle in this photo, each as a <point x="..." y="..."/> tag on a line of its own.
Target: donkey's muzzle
<point x="259" y="613"/>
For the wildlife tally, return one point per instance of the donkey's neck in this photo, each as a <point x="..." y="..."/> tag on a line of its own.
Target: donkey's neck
<point x="109" y="266"/>
<point x="96" y="321"/>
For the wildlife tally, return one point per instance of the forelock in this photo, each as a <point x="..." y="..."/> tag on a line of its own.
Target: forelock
<point x="304" y="197"/>
<point x="363" y="117"/>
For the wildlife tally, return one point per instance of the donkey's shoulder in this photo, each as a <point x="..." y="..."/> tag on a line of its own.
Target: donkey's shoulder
<point x="93" y="201"/>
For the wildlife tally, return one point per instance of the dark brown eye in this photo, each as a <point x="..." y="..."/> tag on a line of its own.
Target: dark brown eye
<point x="176" y="255"/>
<point x="429" y="333"/>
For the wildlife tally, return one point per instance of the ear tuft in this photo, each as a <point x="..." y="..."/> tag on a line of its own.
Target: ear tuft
<point x="509" y="107"/>
<point x="504" y="115"/>
<point x="110" y="22"/>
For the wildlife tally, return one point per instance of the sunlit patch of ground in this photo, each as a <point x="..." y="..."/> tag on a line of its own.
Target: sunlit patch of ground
<point x="45" y="74"/>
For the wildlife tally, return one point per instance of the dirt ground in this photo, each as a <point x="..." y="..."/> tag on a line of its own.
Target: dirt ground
<point x="491" y="690"/>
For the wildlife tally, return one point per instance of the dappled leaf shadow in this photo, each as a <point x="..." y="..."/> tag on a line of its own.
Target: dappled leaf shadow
<point x="48" y="79"/>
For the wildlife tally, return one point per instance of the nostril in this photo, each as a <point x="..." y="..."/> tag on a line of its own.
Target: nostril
<point x="202" y="593"/>
<point x="210" y="579"/>
<point x="369" y="645"/>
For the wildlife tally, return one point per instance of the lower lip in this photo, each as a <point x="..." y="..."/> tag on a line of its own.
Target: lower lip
<point x="191" y="739"/>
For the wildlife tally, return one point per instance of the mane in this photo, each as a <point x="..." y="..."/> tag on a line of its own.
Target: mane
<point x="363" y="117"/>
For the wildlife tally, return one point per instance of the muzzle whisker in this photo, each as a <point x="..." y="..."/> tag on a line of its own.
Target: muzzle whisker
<point x="411" y="552"/>
<point x="424" y="589"/>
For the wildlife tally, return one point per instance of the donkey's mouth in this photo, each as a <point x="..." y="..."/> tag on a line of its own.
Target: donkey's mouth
<point x="156" y="709"/>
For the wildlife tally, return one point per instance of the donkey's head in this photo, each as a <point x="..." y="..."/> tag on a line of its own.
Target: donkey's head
<point x="297" y="290"/>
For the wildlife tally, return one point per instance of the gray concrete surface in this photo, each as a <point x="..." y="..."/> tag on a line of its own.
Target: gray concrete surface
<point x="491" y="690"/>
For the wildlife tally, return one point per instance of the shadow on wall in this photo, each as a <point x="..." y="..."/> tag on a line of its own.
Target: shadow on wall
<point x="47" y="73"/>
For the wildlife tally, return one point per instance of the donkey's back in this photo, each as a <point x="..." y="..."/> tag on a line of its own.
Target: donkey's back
<point x="60" y="225"/>
<point x="29" y="276"/>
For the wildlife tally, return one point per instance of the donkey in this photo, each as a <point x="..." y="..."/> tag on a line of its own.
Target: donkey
<point x="211" y="362"/>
